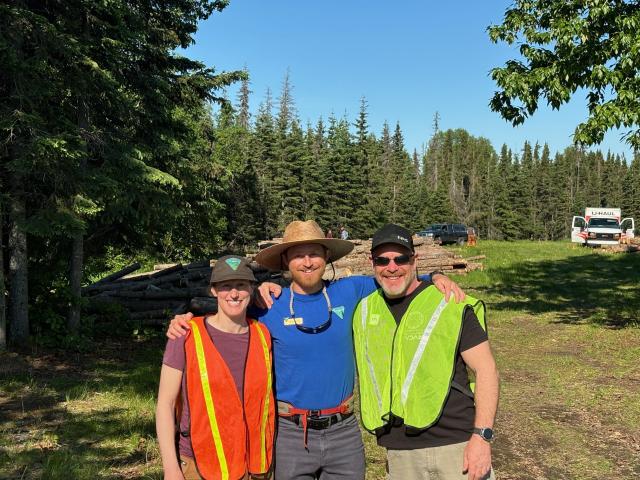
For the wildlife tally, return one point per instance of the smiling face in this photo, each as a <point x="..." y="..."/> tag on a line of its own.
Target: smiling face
<point x="307" y="264"/>
<point x="233" y="297"/>
<point x="396" y="280"/>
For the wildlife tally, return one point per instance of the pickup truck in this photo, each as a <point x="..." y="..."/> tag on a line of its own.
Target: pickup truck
<point x="443" y="233"/>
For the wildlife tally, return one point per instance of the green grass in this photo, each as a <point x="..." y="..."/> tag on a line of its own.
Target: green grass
<point x="563" y="324"/>
<point x="83" y="416"/>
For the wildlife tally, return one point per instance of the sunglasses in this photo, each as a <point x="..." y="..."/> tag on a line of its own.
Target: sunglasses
<point x="399" y="260"/>
<point x="319" y="328"/>
<point x="314" y="330"/>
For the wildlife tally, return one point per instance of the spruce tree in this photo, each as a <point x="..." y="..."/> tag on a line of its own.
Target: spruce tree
<point x="507" y="220"/>
<point x="263" y="146"/>
<point x="243" y="117"/>
<point x="342" y="199"/>
<point x="316" y="174"/>
<point x="631" y="202"/>
<point x="361" y="151"/>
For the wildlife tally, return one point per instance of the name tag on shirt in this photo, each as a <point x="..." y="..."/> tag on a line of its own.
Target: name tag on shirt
<point x="288" y="321"/>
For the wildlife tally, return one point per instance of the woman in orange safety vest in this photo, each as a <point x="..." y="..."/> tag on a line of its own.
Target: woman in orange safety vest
<point x="220" y="373"/>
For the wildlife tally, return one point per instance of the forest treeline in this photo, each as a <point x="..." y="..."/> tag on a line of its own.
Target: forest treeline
<point x="114" y="146"/>
<point x="339" y="172"/>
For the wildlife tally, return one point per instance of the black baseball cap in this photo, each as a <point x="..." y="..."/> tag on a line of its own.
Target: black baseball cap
<point x="231" y="267"/>
<point x="394" y="234"/>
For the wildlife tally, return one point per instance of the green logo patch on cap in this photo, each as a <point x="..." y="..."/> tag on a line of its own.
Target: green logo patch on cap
<point x="233" y="263"/>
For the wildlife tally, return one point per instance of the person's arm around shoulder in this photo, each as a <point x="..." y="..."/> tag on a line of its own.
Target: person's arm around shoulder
<point x="179" y="326"/>
<point x="264" y="298"/>
<point x="477" y="454"/>
<point x="447" y="287"/>
<point x="170" y="383"/>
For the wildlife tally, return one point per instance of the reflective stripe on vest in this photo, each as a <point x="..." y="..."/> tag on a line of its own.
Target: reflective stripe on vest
<point x="230" y="434"/>
<point x="372" y="372"/>
<point x="409" y="367"/>
<point x="411" y="373"/>
<point x="267" y="401"/>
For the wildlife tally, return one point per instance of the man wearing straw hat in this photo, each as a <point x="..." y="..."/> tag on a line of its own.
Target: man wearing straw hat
<point x="311" y="328"/>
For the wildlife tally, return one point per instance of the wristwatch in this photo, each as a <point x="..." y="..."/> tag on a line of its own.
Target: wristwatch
<point x="485" y="433"/>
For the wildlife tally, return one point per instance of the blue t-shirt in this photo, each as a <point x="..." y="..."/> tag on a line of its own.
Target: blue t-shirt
<point x="315" y="370"/>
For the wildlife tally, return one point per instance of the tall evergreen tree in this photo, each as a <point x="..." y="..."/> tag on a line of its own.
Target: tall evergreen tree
<point x="264" y="154"/>
<point x="631" y="188"/>
<point x="316" y="174"/>
<point x="507" y="220"/>
<point x="244" y="92"/>
<point x="361" y="151"/>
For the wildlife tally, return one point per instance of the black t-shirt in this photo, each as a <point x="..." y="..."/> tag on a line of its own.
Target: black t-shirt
<point x="455" y="424"/>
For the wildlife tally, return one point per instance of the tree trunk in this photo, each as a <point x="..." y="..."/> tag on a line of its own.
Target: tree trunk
<point x="77" y="248"/>
<point x="3" y="309"/>
<point x="18" y="271"/>
<point x="75" y="280"/>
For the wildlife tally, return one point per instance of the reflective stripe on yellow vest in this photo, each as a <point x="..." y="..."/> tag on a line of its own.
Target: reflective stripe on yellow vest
<point x="407" y="369"/>
<point x="229" y="437"/>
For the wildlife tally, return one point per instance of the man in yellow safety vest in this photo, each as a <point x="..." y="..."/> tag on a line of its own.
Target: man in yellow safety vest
<point x="412" y="350"/>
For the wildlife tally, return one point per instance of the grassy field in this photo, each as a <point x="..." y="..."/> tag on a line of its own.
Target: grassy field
<point x="564" y="326"/>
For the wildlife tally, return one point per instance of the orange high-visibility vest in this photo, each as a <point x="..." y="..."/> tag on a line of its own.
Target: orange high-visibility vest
<point x="229" y="438"/>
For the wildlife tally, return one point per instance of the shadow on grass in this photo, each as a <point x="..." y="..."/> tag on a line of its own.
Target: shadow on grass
<point x="595" y="288"/>
<point x="79" y="445"/>
<point x="88" y="416"/>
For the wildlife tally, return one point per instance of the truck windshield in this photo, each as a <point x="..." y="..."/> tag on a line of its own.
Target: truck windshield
<point x="604" y="222"/>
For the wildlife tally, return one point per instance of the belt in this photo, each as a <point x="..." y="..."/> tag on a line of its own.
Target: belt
<point x="322" y="419"/>
<point x="319" y="423"/>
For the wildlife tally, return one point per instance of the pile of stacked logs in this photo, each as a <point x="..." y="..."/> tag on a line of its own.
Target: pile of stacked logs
<point x="152" y="298"/>
<point x="431" y="257"/>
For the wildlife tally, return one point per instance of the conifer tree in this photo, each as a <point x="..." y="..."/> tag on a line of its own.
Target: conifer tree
<point x="631" y="188"/>
<point x="344" y="171"/>
<point x="288" y="162"/>
<point x="238" y="180"/>
<point x="264" y="153"/>
<point x="404" y="202"/>
<point x="361" y="151"/>
<point x="316" y="174"/>
<point x="244" y="92"/>
<point x="379" y="194"/>
<point x="507" y="221"/>
<point x="524" y="197"/>
<point x="545" y="204"/>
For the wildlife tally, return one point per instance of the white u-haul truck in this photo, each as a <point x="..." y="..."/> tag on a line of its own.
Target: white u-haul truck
<point x="601" y="226"/>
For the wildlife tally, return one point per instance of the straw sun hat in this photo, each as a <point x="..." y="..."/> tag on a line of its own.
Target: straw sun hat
<point x="300" y="233"/>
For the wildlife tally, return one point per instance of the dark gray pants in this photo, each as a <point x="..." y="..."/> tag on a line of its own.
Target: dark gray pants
<point x="334" y="453"/>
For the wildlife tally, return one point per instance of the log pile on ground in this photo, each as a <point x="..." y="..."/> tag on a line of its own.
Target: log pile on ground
<point x="152" y="298"/>
<point x="631" y="246"/>
<point x="431" y="257"/>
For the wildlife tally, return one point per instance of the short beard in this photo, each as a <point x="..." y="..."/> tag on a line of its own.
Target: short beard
<point x="307" y="282"/>
<point x="399" y="290"/>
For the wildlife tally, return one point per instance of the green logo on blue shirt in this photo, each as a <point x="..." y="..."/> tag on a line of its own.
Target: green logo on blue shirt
<point x="339" y="311"/>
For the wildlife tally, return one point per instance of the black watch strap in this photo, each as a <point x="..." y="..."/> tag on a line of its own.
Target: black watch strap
<point x="486" y="433"/>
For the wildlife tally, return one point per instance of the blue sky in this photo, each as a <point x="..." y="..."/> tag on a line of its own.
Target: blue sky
<point x="409" y="59"/>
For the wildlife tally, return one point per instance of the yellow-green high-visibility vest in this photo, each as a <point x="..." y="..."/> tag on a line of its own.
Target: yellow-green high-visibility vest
<point x="407" y="369"/>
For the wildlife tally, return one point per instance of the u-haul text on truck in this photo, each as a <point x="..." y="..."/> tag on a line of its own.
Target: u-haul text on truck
<point x="601" y="226"/>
